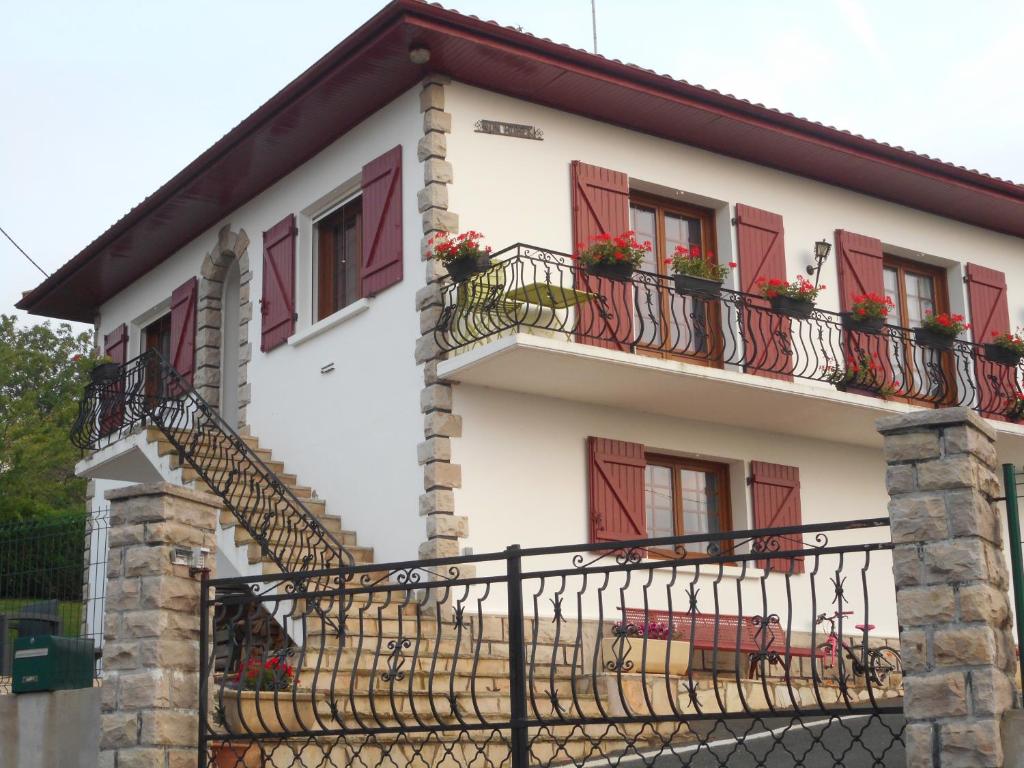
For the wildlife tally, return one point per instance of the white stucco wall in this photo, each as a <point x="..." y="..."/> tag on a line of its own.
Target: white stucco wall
<point x="350" y="434"/>
<point x="524" y="467"/>
<point x="523" y="196"/>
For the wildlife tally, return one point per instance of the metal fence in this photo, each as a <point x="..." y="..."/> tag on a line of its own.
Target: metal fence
<point x="737" y="649"/>
<point x="544" y="292"/>
<point x="53" y="574"/>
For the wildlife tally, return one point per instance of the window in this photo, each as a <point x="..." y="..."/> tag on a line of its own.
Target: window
<point x="338" y="238"/>
<point x="685" y="496"/>
<point x="670" y="324"/>
<point x="916" y="289"/>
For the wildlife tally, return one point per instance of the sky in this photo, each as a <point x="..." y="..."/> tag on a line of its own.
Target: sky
<point x="101" y="102"/>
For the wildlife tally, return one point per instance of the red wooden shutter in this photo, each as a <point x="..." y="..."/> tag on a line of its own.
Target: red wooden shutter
<point x="600" y="203"/>
<point x="616" y="470"/>
<point x="859" y="263"/>
<point x="277" y="307"/>
<point x="762" y="253"/>
<point x="382" y="222"/>
<point x="183" y="329"/>
<point x="776" y="497"/>
<point x="115" y="346"/>
<point x="986" y="292"/>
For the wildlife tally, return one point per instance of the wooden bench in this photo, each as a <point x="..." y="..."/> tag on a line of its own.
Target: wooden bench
<point x="762" y="641"/>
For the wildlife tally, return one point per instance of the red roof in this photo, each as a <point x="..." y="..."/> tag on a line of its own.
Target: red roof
<point x="371" y="67"/>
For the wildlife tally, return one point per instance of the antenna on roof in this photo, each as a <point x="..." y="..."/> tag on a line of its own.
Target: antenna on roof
<point x="593" y="21"/>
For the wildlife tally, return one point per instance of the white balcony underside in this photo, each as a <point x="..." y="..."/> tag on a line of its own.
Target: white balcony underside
<point x="553" y="367"/>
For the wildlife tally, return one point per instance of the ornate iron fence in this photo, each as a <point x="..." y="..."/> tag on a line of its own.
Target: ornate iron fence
<point x="148" y="391"/>
<point x="53" y="577"/>
<point x="719" y="654"/>
<point x="543" y="291"/>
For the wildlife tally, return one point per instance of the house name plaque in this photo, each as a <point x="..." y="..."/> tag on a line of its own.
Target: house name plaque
<point x="515" y="130"/>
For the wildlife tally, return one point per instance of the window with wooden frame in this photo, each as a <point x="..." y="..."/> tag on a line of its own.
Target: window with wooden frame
<point x="685" y="496"/>
<point x="915" y="289"/>
<point x="338" y="247"/>
<point x="670" y="325"/>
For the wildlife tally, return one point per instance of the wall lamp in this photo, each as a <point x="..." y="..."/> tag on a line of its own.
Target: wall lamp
<point x="822" y="249"/>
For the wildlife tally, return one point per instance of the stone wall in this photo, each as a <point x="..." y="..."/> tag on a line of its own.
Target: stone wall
<point x="150" y="688"/>
<point x="951" y="586"/>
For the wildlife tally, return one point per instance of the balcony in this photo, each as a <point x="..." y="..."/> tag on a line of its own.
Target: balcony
<point x="536" y="323"/>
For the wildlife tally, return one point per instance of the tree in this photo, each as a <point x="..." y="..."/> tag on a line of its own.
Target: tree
<point x="43" y="370"/>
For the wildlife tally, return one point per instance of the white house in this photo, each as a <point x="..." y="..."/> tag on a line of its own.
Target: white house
<point x="283" y="274"/>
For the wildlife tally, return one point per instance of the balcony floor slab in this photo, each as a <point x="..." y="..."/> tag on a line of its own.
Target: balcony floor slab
<point x="553" y="367"/>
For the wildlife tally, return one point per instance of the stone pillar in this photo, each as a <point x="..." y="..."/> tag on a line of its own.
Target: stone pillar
<point x="951" y="586"/>
<point x="151" y="655"/>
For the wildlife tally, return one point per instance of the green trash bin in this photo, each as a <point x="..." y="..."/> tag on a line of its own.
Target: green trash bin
<point x="52" y="663"/>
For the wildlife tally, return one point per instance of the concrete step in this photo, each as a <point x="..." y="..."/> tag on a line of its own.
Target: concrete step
<point x="295" y="555"/>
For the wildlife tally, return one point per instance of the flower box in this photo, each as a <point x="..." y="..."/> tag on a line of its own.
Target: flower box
<point x="854" y="389"/>
<point x="997" y="353"/>
<point x="790" y="307"/>
<point x="104" y="372"/>
<point x="461" y="270"/>
<point x="929" y="338"/>
<point x="872" y="325"/>
<point x="622" y="270"/>
<point x="633" y="660"/>
<point x="269" y="711"/>
<point x="235" y="754"/>
<point x="688" y="285"/>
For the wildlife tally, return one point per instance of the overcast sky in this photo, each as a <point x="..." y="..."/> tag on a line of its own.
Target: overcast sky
<point x="103" y="101"/>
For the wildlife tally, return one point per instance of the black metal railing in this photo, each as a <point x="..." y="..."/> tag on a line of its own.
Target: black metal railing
<point x="581" y="654"/>
<point x="147" y="391"/>
<point x="53" y="578"/>
<point x="542" y="291"/>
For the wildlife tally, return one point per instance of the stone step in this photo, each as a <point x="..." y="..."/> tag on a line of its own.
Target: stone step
<point x="221" y="464"/>
<point x="277" y="535"/>
<point x="155" y="433"/>
<point x="295" y="555"/>
<point x="220" y="474"/>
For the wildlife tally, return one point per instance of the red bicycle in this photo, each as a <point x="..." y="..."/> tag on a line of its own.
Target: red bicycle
<point x="876" y="663"/>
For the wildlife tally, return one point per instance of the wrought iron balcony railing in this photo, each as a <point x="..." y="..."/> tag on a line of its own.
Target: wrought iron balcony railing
<point x="530" y="289"/>
<point x="148" y="391"/>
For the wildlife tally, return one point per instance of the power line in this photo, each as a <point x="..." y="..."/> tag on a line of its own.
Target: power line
<point x="23" y="253"/>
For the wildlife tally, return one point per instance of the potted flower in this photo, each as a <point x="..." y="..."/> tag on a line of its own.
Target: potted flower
<point x="868" y="313"/>
<point x="461" y="254"/>
<point x="939" y="331"/>
<point x="1006" y="348"/>
<point x="625" y="650"/>
<point x="793" y="299"/>
<point x="862" y="374"/>
<point x="235" y="754"/>
<point x="1015" y="407"/>
<point x="696" y="275"/>
<point x="612" y="257"/>
<point x="262" y="698"/>
<point x="104" y="371"/>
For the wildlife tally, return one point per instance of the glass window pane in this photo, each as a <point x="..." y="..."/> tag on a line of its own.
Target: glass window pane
<point x="658" y="501"/>
<point x="645" y="226"/>
<point x="701" y="501"/>
<point x="892" y="289"/>
<point x="920" y="297"/>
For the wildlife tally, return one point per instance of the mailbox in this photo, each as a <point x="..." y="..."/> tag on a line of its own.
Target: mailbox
<point x="52" y="663"/>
